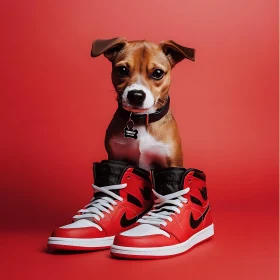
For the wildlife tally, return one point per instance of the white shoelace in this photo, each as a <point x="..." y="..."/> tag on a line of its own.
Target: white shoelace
<point x="98" y="206"/>
<point x="158" y="215"/>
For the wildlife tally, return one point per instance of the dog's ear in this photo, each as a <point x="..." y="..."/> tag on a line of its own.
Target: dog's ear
<point x="108" y="47"/>
<point x="175" y="52"/>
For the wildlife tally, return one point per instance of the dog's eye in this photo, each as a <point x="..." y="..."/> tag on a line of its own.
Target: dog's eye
<point x="157" y="74"/>
<point x="122" y="71"/>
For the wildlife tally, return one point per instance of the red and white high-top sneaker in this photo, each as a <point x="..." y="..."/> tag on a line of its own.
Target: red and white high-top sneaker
<point x="180" y="219"/>
<point x="122" y="194"/>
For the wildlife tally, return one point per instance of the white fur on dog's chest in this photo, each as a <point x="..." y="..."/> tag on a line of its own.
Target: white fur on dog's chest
<point x="145" y="149"/>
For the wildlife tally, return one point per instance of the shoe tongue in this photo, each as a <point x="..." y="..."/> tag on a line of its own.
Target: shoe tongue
<point x="108" y="172"/>
<point x="169" y="180"/>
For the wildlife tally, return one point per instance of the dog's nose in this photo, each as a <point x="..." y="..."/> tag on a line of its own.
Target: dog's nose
<point x="136" y="97"/>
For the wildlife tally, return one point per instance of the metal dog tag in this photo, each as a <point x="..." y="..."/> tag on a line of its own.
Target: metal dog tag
<point x="129" y="132"/>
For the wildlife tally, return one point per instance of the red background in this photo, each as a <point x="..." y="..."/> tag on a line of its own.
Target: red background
<point x="56" y="102"/>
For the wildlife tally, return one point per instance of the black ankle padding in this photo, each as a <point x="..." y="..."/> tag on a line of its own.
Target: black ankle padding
<point x="170" y="180"/>
<point x="108" y="173"/>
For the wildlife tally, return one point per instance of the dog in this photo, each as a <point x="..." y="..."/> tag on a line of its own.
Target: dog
<point x="143" y="130"/>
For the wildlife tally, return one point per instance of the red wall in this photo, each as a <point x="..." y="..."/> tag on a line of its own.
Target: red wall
<point x="56" y="101"/>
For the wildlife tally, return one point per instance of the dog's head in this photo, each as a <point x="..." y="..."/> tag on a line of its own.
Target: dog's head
<point x="141" y="70"/>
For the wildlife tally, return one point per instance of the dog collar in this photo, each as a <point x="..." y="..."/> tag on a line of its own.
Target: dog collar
<point x="145" y="118"/>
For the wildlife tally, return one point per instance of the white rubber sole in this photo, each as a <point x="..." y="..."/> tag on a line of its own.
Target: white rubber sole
<point x="166" y="250"/>
<point x="82" y="242"/>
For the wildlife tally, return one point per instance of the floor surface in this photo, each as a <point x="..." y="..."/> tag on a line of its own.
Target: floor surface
<point x="245" y="246"/>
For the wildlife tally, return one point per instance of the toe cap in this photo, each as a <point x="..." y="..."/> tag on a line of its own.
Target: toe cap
<point x="79" y="229"/>
<point x="157" y="240"/>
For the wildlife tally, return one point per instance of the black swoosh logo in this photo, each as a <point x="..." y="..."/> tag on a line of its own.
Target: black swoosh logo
<point x="129" y="222"/>
<point x="195" y="223"/>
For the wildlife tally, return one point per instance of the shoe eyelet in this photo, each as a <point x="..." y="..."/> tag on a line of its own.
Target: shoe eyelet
<point x="128" y="177"/>
<point x="190" y="181"/>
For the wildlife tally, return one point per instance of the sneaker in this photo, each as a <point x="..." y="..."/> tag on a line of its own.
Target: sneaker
<point x="180" y="219"/>
<point x="122" y="194"/>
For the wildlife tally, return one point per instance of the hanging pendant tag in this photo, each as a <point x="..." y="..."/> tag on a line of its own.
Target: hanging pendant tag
<point x="129" y="132"/>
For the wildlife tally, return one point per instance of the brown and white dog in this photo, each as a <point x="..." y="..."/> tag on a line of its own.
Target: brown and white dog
<point x="143" y="130"/>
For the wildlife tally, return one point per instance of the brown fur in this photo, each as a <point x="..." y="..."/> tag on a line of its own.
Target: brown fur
<point x="142" y="58"/>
